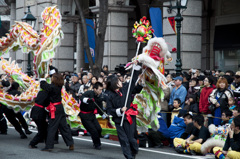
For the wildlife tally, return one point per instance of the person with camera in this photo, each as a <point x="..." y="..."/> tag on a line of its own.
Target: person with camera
<point x="219" y="99"/>
<point x="90" y="101"/>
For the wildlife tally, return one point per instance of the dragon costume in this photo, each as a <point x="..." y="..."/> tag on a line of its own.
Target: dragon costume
<point x="153" y="58"/>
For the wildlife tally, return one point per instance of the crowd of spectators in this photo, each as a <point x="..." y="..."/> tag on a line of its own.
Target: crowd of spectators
<point x="193" y="101"/>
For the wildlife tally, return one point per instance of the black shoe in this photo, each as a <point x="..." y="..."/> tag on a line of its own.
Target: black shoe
<point x="179" y="149"/>
<point x="46" y="149"/>
<point x="97" y="147"/>
<point x="56" y="142"/>
<point x="159" y="146"/>
<point x="32" y="146"/>
<point x="28" y="132"/>
<point x="23" y="136"/>
<point x="3" y="133"/>
<point x="192" y="152"/>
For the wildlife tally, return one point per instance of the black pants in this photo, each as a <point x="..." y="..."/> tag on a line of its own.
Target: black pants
<point x="3" y="122"/>
<point x="156" y="137"/>
<point x="42" y="131"/>
<point x="91" y="124"/>
<point x="126" y="138"/>
<point x="22" y="120"/>
<point x="58" y="123"/>
<point x="11" y="116"/>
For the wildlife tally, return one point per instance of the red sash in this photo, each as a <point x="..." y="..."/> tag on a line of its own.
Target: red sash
<point x="38" y="105"/>
<point x="130" y="112"/>
<point x="52" y="109"/>
<point x="94" y="112"/>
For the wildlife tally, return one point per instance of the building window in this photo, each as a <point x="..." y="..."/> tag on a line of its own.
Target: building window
<point x="227" y="59"/>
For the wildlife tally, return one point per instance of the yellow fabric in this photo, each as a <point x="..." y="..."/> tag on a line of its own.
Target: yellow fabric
<point x="179" y="141"/>
<point x="175" y="112"/>
<point x="233" y="155"/>
<point x="195" y="146"/>
<point x="230" y="154"/>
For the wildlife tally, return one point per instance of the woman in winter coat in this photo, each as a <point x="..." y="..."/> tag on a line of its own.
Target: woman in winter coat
<point x="204" y="95"/>
<point x="219" y="97"/>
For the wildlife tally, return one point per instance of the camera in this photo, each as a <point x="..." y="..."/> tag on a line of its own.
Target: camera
<point x="67" y="78"/>
<point x="120" y="69"/>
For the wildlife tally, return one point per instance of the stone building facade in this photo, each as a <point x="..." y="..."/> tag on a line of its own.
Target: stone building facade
<point x="202" y="46"/>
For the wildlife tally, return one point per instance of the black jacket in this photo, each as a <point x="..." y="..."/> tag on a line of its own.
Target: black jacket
<point x="43" y="100"/>
<point x="115" y="101"/>
<point x="91" y="106"/>
<point x="54" y="91"/>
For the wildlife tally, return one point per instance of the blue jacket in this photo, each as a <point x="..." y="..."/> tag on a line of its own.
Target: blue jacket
<point x="163" y="127"/>
<point x="180" y="93"/>
<point x="177" y="127"/>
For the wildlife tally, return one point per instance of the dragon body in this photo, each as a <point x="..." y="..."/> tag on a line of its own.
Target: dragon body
<point x="153" y="58"/>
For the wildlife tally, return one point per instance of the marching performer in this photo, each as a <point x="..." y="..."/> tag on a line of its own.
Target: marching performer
<point x="57" y="119"/>
<point x="90" y="101"/>
<point x="115" y="107"/>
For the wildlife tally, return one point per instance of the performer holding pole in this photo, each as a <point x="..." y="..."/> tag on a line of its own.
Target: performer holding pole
<point x="57" y="119"/>
<point x="115" y="107"/>
<point x="118" y="101"/>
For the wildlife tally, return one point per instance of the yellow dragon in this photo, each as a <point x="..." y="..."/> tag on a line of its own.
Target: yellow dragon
<point x="43" y="48"/>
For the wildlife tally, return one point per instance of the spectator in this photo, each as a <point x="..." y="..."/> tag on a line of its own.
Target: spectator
<point x="177" y="126"/>
<point x="193" y="144"/>
<point x="191" y="104"/>
<point x="170" y="82"/>
<point x="177" y="108"/>
<point x="164" y="103"/>
<point x="203" y="102"/>
<point x="233" y="142"/>
<point x="94" y="79"/>
<point x="186" y="78"/>
<point x="236" y="112"/>
<point x="85" y="83"/>
<point x="190" y="127"/>
<point x="179" y="91"/>
<point x="105" y="69"/>
<point x="192" y="88"/>
<point x="235" y="86"/>
<point x="231" y="103"/>
<point x="219" y="97"/>
<point x="74" y="87"/>
<point x="100" y="79"/>
<point x="229" y="73"/>
<point x="226" y="117"/>
<point x="213" y="72"/>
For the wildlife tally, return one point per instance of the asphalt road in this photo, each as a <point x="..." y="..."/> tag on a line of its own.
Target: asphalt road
<point x="12" y="147"/>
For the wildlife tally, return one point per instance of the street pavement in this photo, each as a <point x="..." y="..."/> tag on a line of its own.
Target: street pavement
<point x="12" y="147"/>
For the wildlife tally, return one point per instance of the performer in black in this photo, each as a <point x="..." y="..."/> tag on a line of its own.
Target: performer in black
<point x="115" y="106"/>
<point x="57" y="119"/>
<point x="88" y="105"/>
<point x="38" y="115"/>
<point x="3" y="122"/>
<point x="11" y="115"/>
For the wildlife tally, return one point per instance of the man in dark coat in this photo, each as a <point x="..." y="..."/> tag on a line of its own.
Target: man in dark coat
<point x="89" y="102"/>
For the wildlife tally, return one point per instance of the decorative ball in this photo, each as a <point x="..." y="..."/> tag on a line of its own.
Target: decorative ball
<point x="141" y="31"/>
